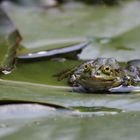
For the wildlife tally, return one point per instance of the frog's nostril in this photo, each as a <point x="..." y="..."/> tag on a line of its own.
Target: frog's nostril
<point x="95" y="73"/>
<point x="98" y="73"/>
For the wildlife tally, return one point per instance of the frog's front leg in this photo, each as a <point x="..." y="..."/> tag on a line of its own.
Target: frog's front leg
<point x="125" y="89"/>
<point x="127" y="81"/>
<point x="126" y="86"/>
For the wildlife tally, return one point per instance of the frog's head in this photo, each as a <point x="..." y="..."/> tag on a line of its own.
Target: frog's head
<point x="100" y="76"/>
<point x="102" y="79"/>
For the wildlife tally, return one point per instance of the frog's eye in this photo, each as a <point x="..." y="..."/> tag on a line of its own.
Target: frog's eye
<point x="86" y="67"/>
<point x="107" y="70"/>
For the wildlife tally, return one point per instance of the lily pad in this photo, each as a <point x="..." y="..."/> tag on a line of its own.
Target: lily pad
<point x="41" y="72"/>
<point x="59" y="125"/>
<point x="67" y="28"/>
<point x="69" y="52"/>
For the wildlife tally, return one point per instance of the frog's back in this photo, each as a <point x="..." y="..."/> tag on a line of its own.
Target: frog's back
<point x="106" y="61"/>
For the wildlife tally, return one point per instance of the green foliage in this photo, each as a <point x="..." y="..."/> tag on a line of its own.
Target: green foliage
<point x="9" y="40"/>
<point x="49" y="109"/>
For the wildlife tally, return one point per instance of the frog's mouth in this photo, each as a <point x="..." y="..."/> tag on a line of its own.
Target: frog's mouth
<point x="99" y="85"/>
<point x="104" y="79"/>
<point x="95" y="78"/>
<point x="96" y="85"/>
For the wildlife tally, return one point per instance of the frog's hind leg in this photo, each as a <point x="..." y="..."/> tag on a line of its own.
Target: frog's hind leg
<point x="133" y="68"/>
<point x="135" y="62"/>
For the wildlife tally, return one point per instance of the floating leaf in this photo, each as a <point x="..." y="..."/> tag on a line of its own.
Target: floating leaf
<point x="61" y="125"/>
<point x="70" y="52"/>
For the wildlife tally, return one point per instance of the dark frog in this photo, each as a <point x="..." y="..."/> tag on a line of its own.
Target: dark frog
<point x="103" y="74"/>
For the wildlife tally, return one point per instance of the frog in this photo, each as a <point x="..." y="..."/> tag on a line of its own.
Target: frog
<point x="103" y="74"/>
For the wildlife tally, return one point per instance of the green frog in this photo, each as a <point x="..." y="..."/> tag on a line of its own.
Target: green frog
<point x="104" y="74"/>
